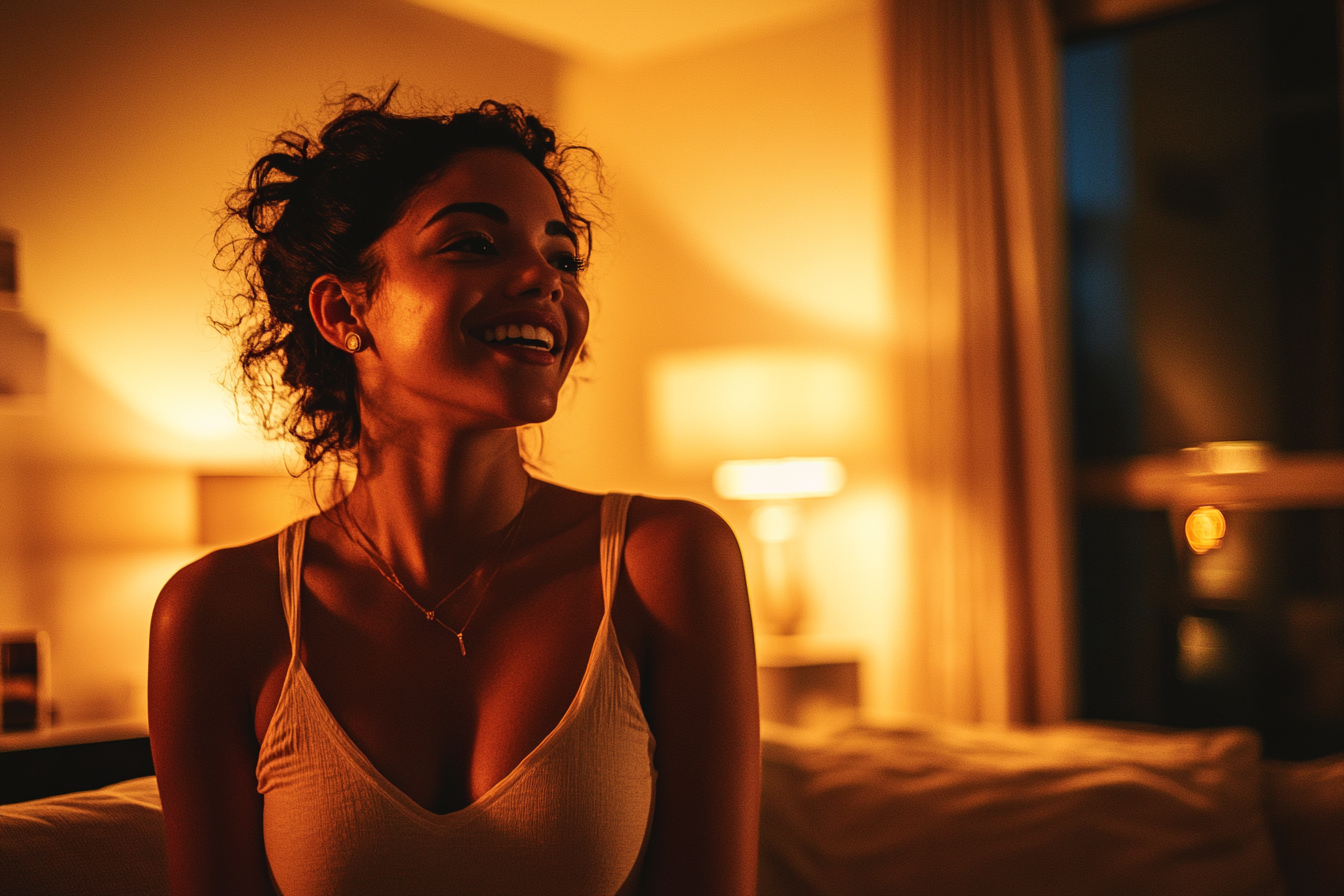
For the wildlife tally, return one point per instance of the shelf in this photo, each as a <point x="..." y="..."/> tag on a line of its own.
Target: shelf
<point x="67" y="735"/>
<point x="69" y="758"/>
<point x="1177" y="480"/>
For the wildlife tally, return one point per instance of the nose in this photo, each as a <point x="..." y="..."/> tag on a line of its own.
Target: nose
<point x="537" y="278"/>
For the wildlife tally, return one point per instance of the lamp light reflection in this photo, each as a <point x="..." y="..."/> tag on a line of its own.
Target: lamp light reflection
<point x="1205" y="528"/>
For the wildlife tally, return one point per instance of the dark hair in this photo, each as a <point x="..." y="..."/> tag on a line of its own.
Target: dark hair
<point x="316" y="205"/>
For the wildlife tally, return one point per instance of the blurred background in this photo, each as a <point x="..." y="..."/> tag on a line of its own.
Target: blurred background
<point x="836" y="230"/>
<point x="746" y="207"/>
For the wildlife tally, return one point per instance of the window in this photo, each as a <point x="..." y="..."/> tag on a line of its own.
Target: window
<point x="1206" y="229"/>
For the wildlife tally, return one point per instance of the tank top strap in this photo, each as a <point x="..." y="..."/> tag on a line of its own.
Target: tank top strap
<point x="614" y="509"/>
<point x="291" y="578"/>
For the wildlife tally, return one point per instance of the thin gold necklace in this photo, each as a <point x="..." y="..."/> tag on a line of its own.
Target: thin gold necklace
<point x="385" y="569"/>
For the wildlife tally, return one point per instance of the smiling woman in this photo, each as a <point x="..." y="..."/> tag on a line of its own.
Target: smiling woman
<point x="458" y="678"/>
<point x="315" y="207"/>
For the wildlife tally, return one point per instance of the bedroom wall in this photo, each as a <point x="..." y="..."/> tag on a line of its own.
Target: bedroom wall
<point x="121" y="128"/>
<point x="746" y="209"/>
<point x="747" y="198"/>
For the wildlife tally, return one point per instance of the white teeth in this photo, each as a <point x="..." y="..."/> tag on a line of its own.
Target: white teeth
<point x="515" y="331"/>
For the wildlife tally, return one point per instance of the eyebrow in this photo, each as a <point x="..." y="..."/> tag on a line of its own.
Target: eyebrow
<point x="485" y="209"/>
<point x="495" y="213"/>
<point x="560" y="228"/>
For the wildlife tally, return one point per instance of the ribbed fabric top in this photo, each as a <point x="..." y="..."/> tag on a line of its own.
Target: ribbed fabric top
<point x="573" y="817"/>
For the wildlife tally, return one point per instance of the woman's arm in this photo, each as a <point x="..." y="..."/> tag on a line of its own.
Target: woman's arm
<point x="205" y="653"/>
<point x="699" y="694"/>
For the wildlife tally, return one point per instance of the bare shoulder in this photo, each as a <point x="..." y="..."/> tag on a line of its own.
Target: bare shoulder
<point x="217" y="633"/>
<point x="662" y="524"/>
<point x="682" y="557"/>
<point x="222" y="605"/>
<point x="699" y="697"/>
<point x="222" y="587"/>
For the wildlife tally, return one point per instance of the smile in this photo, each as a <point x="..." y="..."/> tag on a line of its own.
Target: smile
<point x="531" y="335"/>
<point x="520" y="334"/>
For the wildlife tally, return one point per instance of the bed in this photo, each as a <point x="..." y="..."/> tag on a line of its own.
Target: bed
<point x="920" y="809"/>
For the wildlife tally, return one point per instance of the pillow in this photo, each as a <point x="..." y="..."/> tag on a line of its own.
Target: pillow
<point x="1304" y="804"/>
<point x="1070" y="810"/>
<point x="105" y="842"/>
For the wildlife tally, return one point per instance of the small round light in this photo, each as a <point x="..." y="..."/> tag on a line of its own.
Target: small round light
<point x="1205" y="528"/>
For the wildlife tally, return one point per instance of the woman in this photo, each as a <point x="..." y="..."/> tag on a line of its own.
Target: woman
<point x="460" y="678"/>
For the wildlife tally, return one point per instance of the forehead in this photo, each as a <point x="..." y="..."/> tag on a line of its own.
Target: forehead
<point x="498" y="176"/>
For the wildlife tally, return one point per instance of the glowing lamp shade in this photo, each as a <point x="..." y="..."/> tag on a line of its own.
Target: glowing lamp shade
<point x="709" y="406"/>
<point x="791" y="477"/>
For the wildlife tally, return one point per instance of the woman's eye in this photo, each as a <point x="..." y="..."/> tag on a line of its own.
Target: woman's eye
<point x="568" y="262"/>
<point x="473" y="244"/>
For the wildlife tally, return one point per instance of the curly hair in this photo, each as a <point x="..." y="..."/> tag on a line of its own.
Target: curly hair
<point x="316" y="205"/>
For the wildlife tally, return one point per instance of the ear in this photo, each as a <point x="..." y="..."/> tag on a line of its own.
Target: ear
<point x="337" y="309"/>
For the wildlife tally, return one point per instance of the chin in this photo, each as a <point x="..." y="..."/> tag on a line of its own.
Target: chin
<point x="533" y="413"/>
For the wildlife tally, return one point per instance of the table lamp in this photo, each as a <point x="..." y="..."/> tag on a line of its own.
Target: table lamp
<point x="771" y="424"/>
<point x="778" y="486"/>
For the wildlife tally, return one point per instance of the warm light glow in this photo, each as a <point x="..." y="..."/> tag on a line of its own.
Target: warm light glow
<point x="1203" y="648"/>
<point x="791" y="477"/>
<point x="775" y="523"/>
<point x="1205" y="528"/>
<point x="623" y="31"/>
<point x="854" y="563"/>
<point x="238" y="509"/>
<point x="732" y="223"/>
<point x="794" y="217"/>
<point x="707" y="406"/>
<point x="1229" y="457"/>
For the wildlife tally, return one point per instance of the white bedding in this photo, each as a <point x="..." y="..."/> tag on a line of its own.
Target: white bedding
<point x="107" y="842"/>
<point x="1070" y="810"/>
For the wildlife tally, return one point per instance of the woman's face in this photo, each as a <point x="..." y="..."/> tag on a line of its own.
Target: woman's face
<point x="478" y="315"/>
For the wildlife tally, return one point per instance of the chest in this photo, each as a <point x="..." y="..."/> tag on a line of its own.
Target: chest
<point x="442" y="727"/>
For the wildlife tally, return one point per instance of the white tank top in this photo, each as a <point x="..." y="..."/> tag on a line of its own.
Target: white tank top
<point x="572" y="818"/>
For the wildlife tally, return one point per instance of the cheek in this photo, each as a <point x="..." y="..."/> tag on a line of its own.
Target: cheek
<point x="578" y="319"/>
<point x="404" y="322"/>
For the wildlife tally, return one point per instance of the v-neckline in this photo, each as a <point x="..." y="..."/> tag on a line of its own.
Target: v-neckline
<point x="357" y="755"/>
<point x="496" y="790"/>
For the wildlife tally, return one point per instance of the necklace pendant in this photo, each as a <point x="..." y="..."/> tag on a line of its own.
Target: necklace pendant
<point x="461" y="643"/>
<point x="429" y="615"/>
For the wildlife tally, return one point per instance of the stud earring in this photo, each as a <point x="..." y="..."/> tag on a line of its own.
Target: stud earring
<point x="354" y="344"/>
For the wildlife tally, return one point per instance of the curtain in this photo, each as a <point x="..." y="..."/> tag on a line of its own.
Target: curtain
<point x="987" y="626"/>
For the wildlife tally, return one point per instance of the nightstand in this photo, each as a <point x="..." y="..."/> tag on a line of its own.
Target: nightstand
<point x="807" y="682"/>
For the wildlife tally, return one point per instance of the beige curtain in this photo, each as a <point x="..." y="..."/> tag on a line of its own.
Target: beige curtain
<point x="987" y="628"/>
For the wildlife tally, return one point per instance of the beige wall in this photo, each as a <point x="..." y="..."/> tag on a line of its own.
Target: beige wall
<point x="122" y="126"/>
<point x="126" y="124"/>
<point x="747" y="209"/>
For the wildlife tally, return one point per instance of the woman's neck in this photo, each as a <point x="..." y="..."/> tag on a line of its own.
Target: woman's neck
<point x="433" y="501"/>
